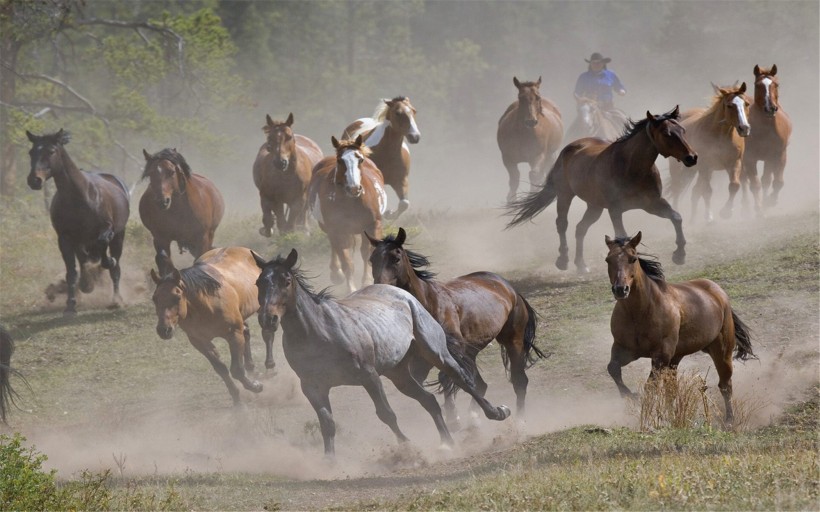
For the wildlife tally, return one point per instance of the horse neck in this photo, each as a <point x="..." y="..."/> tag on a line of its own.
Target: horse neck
<point x="640" y="149"/>
<point x="640" y="299"/>
<point x="422" y="290"/>
<point x="68" y="177"/>
<point x="715" y="121"/>
<point x="302" y="315"/>
<point x="391" y="139"/>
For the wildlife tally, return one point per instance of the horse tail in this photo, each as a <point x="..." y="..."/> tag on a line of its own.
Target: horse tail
<point x="531" y="352"/>
<point x="743" y="340"/>
<point x="459" y="351"/>
<point x="7" y="393"/>
<point x="535" y="202"/>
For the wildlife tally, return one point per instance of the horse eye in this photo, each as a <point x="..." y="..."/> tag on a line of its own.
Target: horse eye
<point x="632" y="259"/>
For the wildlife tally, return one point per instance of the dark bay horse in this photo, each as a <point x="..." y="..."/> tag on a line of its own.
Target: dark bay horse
<point x="379" y="330"/>
<point x="7" y="393"/>
<point x="178" y="205"/>
<point x="212" y="299"/>
<point x="282" y="172"/>
<point x="89" y="212"/>
<point x="718" y="135"/>
<point x="618" y="176"/>
<point x="593" y="121"/>
<point x="768" y="140"/>
<point x="665" y="321"/>
<point x="473" y="309"/>
<point x="385" y="133"/>
<point x="347" y="198"/>
<point x="530" y="131"/>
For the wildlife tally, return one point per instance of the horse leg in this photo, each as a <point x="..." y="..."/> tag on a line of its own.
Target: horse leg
<point x="337" y="243"/>
<point x="592" y="214"/>
<point x="207" y="349"/>
<point x="480" y="389"/>
<point x="320" y="401"/>
<point x="750" y="171"/>
<point x="778" y="167"/>
<point x="620" y="357"/>
<point x="514" y="179"/>
<point x="661" y="207"/>
<point x="116" y="271"/>
<point x="281" y="220"/>
<point x="721" y="354"/>
<point x="703" y="189"/>
<point x="164" y="263"/>
<point x="366" y="250"/>
<point x="538" y="173"/>
<point x="236" y="343"/>
<point x="67" y="251"/>
<point x="297" y="218"/>
<point x="406" y="383"/>
<point x="246" y="334"/>
<point x="373" y="384"/>
<point x="346" y="260"/>
<point x="267" y="216"/>
<point x="734" y="185"/>
<point x="268" y="336"/>
<point x="561" y="224"/>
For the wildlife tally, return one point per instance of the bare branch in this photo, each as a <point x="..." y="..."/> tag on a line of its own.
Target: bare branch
<point x="63" y="85"/>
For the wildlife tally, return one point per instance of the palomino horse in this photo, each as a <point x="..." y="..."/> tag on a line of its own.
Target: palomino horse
<point x="89" y="212"/>
<point x="769" y="139"/>
<point x="347" y="198"/>
<point x="281" y="172"/>
<point x="379" y="330"/>
<point x="530" y="131"/>
<point x="718" y="135"/>
<point x="212" y="299"/>
<point x="179" y="206"/>
<point x="618" y="176"/>
<point x="7" y="393"/>
<point x="385" y="133"/>
<point x="666" y="321"/>
<point x="593" y="121"/>
<point x="473" y="309"/>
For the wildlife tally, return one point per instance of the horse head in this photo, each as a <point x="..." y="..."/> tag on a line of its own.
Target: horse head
<point x="767" y="90"/>
<point x="350" y="155"/>
<point x="46" y="156"/>
<point x="735" y="107"/>
<point x="280" y="141"/>
<point x="276" y="287"/>
<point x="402" y="117"/>
<point x="388" y="259"/>
<point x="170" y="302"/>
<point x="529" y="101"/>
<point x="622" y="264"/>
<point x="168" y="173"/>
<point x="588" y="111"/>
<point x="667" y="135"/>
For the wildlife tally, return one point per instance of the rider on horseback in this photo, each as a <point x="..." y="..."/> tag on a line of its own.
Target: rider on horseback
<point x="597" y="83"/>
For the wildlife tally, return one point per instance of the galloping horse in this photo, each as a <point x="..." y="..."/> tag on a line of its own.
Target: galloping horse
<point x="281" y="172"/>
<point x="664" y="321"/>
<point x="530" y="131"/>
<point x="211" y="299"/>
<point x="89" y="212"/>
<point x="618" y="176"/>
<point x="385" y="133"/>
<point x="593" y="121"/>
<point x="178" y="205"/>
<point x="347" y="198"/>
<point x="717" y="134"/>
<point x="379" y="330"/>
<point x="768" y="140"/>
<point x="7" y="393"/>
<point x="473" y="309"/>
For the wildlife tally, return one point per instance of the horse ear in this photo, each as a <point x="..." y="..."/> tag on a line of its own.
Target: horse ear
<point x="516" y="82"/>
<point x="757" y="70"/>
<point x="289" y="122"/>
<point x="373" y="241"/>
<point x="538" y="83"/>
<point x="649" y="116"/>
<point x="676" y="113"/>
<point x="155" y="277"/>
<point x="774" y="70"/>
<point x="608" y="240"/>
<point x="260" y="262"/>
<point x="401" y="237"/>
<point x="635" y="240"/>
<point x="334" y="141"/>
<point x="31" y="136"/>
<point x="146" y="154"/>
<point x="715" y="88"/>
<point x="359" y="140"/>
<point x="268" y="120"/>
<point x="176" y="275"/>
<point x="290" y="261"/>
<point x="742" y="87"/>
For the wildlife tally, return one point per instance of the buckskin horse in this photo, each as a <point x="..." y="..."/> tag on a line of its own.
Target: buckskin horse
<point x="89" y="212"/>
<point x="618" y="176"/>
<point x="178" y="205"/>
<point x="282" y="173"/>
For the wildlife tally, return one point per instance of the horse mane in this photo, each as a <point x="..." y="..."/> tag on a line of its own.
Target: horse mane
<point x="650" y="264"/>
<point x="417" y="261"/>
<point x="61" y="137"/>
<point x="380" y="113"/>
<point x="172" y="156"/>
<point x="344" y="145"/>
<point x="197" y="280"/>
<point x="632" y="127"/>
<point x="302" y="280"/>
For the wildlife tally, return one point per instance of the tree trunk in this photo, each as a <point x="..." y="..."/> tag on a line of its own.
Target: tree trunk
<point x="8" y="82"/>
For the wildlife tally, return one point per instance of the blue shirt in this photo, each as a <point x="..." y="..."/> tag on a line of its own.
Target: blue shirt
<point x="598" y="86"/>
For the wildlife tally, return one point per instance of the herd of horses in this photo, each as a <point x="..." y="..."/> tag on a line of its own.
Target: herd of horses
<point x="408" y="322"/>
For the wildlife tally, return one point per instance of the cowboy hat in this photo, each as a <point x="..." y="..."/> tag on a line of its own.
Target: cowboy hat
<point x="597" y="57"/>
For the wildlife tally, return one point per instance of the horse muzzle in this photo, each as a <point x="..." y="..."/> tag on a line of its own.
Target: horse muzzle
<point x="281" y="164"/>
<point x="165" y="332"/>
<point x="620" y="291"/>
<point x="690" y="160"/>
<point x="35" y="182"/>
<point x="354" y="191"/>
<point x="531" y="122"/>
<point x="770" y="111"/>
<point x="744" y="131"/>
<point x="413" y="138"/>
<point x="269" y="322"/>
<point x="164" y="203"/>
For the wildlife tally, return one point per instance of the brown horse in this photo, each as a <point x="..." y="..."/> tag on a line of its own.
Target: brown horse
<point x="530" y="131"/>
<point x="281" y="172"/>
<point x="768" y="141"/>
<point x="179" y="206"/>
<point x="718" y="135"/>
<point x="89" y="212"/>
<point x="385" y="133"/>
<point x="665" y="321"/>
<point x="347" y="197"/>
<point x="593" y="121"/>
<point x="473" y="309"/>
<point x="618" y="176"/>
<point x="212" y="299"/>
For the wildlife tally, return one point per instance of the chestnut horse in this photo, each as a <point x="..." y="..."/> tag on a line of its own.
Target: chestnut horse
<point x="89" y="212"/>
<point x="212" y="299"/>
<point x="473" y="309"/>
<point x="347" y="198"/>
<point x="179" y="206"/>
<point x="768" y="140"/>
<point x="718" y="135"/>
<point x="379" y="330"/>
<point x="593" y="121"/>
<point x="393" y="122"/>
<point x="618" y="176"/>
<point x="282" y="172"/>
<point x="665" y="322"/>
<point x="530" y="131"/>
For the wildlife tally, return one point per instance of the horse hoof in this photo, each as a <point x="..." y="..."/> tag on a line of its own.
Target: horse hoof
<point x="266" y="232"/>
<point x="503" y="412"/>
<point x="562" y="262"/>
<point x="255" y="386"/>
<point x="390" y="215"/>
<point x="679" y="257"/>
<point x="582" y="268"/>
<point x="270" y="365"/>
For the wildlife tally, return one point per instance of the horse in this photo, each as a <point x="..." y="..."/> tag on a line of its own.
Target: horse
<point x="379" y="330"/>
<point x="768" y="141"/>
<point x="530" y="131"/>
<point x="7" y="393"/>
<point x="593" y="121"/>
<point x="178" y="205"/>
<point x="347" y="198"/>
<point x="718" y="135"/>
<point x="282" y="172"/>
<point x="385" y="133"/>
<point x="473" y="309"/>
<point x="618" y="176"/>
<point x="213" y="298"/>
<point x="667" y="321"/>
<point x="89" y="212"/>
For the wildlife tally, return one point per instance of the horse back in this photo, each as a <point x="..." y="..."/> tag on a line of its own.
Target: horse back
<point x="483" y="302"/>
<point x="237" y="272"/>
<point x="206" y="200"/>
<point x="705" y="312"/>
<point x="309" y="150"/>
